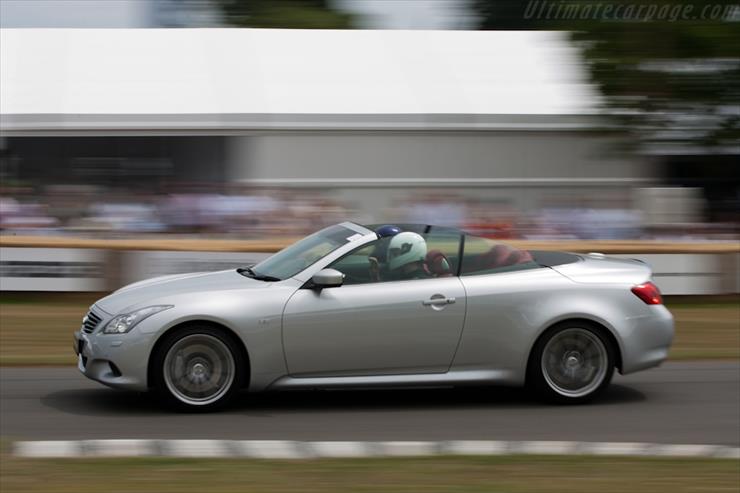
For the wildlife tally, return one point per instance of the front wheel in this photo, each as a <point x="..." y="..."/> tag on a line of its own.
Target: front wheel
<point x="198" y="368"/>
<point x="571" y="363"/>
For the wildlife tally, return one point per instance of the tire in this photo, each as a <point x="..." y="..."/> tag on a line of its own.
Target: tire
<point x="571" y="363"/>
<point x="198" y="368"/>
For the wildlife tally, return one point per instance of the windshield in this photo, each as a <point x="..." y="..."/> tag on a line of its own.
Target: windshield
<point x="293" y="259"/>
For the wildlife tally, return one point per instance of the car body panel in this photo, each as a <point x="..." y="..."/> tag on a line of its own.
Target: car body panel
<point x="130" y="355"/>
<point x="446" y="379"/>
<point x="254" y="318"/>
<point x="254" y="315"/>
<point x="141" y="293"/>
<point x="526" y="303"/>
<point x="381" y="328"/>
<point x="599" y="269"/>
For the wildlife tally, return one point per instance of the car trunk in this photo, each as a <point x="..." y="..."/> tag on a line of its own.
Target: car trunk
<point x="598" y="268"/>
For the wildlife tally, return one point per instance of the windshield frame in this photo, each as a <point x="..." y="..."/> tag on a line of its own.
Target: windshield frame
<point x="354" y="233"/>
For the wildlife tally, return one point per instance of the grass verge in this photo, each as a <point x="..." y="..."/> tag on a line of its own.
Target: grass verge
<point x="37" y="329"/>
<point x="461" y="474"/>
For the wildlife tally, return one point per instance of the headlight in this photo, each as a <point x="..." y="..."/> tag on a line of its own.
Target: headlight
<point x="123" y="323"/>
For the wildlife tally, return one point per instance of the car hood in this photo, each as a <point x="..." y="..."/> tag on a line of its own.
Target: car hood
<point x="151" y="291"/>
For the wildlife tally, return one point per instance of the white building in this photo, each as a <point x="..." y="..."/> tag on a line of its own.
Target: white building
<point x="508" y="116"/>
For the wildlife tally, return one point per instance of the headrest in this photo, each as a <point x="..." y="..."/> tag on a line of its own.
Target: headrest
<point x="437" y="263"/>
<point x="503" y="256"/>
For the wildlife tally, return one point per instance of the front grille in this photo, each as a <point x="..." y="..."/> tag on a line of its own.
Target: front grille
<point x="90" y="322"/>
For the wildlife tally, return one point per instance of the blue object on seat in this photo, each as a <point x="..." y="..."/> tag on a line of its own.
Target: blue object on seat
<point x="387" y="230"/>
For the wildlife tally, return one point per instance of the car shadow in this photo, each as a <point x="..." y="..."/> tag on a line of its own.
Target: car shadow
<point x="101" y="402"/>
<point x="105" y="401"/>
<point x="413" y="399"/>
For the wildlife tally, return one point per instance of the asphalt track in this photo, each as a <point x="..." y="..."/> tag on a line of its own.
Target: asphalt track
<point x="697" y="402"/>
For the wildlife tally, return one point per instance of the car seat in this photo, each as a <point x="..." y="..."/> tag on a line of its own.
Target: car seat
<point x="437" y="264"/>
<point x="500" y="256"/>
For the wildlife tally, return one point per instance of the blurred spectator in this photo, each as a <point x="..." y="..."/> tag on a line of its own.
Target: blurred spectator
<point x="27" y="216"/>
<point x="235" y="211"/>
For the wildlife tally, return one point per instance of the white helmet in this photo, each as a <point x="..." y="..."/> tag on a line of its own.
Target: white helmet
<point x="405" y="248"/>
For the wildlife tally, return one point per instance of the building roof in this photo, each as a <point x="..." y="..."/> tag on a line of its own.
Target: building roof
<point x="55" y="80"/>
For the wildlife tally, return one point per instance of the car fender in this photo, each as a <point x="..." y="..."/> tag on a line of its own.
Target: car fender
<point x="255" y="319"/>
<point x="507" y="312"/>
<point x="606" y="324"/>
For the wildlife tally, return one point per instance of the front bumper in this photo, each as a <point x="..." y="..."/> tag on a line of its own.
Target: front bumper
<point x="118" y="361"/>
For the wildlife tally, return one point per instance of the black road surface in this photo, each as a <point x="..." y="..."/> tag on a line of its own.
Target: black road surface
<point x="697" y="402"/>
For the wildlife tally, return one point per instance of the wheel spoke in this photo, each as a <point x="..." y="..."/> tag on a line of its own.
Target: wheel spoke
<point x="199" y="369"/>
<point x="574" y="362"/>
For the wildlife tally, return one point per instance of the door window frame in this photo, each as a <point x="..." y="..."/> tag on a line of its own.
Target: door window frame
<point x="456" y="273"/>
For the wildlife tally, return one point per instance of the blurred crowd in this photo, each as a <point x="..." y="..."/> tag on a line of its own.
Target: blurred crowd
<point x="87" y="210"/>
<point x="266" y="213"/>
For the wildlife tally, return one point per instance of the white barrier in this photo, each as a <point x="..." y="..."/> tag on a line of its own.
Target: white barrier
<point x="52" y="269"/>
<point x="693" y="273"/>
<point x="78" y="269"/>
<point x="140" y="265"/>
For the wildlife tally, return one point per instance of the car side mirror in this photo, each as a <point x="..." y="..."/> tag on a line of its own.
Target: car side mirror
<point x="327" y="278"/>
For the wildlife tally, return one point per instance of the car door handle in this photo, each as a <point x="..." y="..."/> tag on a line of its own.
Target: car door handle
<point x="438" y="301"/>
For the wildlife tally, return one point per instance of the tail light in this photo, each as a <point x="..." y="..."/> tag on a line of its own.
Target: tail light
<point x="649" y="293"/>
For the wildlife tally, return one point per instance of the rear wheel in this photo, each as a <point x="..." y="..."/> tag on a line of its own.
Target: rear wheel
<point x="572" y="362"/>
<point x="198" y="368"/>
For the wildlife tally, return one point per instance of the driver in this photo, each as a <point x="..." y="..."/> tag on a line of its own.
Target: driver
<point x="406" y="254"/>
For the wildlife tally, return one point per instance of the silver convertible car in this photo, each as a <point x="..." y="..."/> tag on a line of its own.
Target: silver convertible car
<point x="356" y="306"/>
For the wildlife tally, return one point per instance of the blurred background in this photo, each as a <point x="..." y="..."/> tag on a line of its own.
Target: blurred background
<point x="506" y="118"/>
<point x="148" y="137"/>
<point x="257" y="120"/>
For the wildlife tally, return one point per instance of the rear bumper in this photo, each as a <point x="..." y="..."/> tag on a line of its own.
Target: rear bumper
<point x="116" y="361"/>
<point x="647" y="339"/>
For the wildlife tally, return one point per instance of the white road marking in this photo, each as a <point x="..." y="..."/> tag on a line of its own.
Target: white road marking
<point x="287" y="449"/>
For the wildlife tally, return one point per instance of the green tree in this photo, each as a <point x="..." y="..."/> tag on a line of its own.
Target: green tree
<point x="294" y="14"/>
<point x="674" y="81"/>
<point x="502" y="15"/>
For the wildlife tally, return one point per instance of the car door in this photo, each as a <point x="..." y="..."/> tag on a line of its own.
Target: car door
<point x="370" y="327"/>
